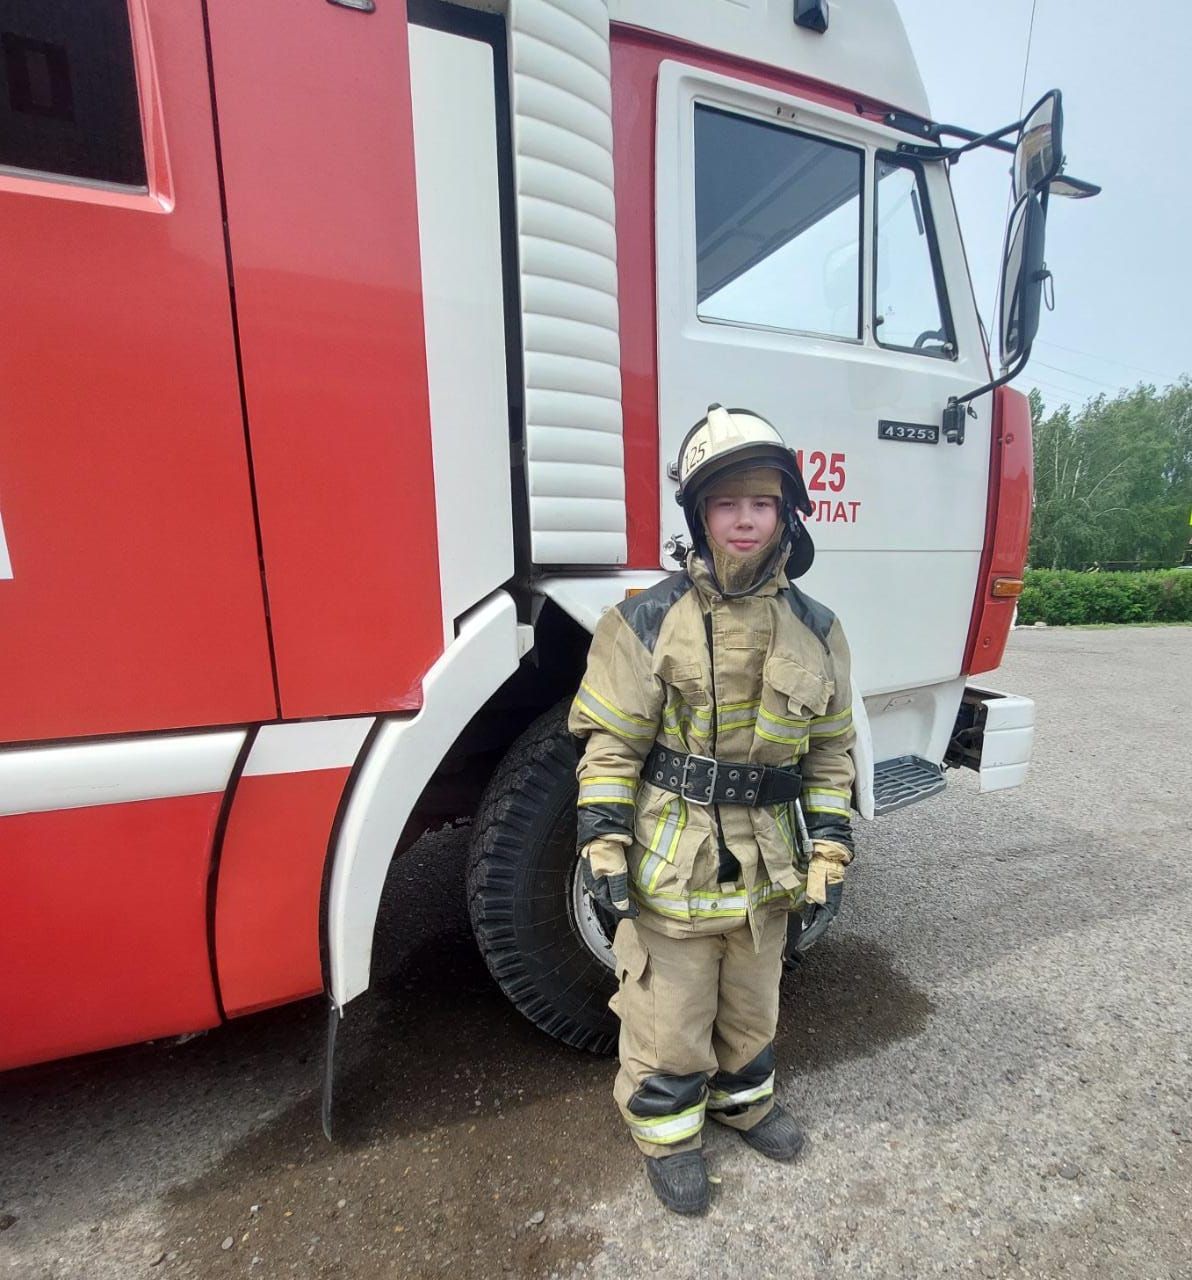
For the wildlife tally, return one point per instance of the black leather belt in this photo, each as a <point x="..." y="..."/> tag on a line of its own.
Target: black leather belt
<point x="703" y="780"/>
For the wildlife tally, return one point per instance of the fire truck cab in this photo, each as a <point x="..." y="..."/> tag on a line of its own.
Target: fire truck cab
<point x="349" y="343"/>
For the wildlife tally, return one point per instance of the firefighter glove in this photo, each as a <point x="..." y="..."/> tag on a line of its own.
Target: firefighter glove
<point x="825" y="890"/>
<point x="606" y="877"/>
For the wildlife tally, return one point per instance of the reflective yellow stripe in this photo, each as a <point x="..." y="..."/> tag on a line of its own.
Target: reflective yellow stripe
<point x="830" y="726"/>
<point x="781" y="730"/>
<point x="799" y="722"/>
<point x="680" y="821"/>
<point x="773" y="892"/>
<point x="737" y="715"/>
<point x="714" y="906"/>
<point x="667" y="1129"/>
<point x="782" y="817"/>
<point x="721" y="1099"/>
<point x="826" y="800"/>
<point x="664" y="843"/>
<point x="736" y="720"/>
<point x="609" y="717"/>
<point x="678" y="715"/>
<point x="607" y="791"/>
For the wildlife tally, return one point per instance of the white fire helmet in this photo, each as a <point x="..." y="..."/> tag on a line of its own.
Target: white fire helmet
<point x="731" y="440"/>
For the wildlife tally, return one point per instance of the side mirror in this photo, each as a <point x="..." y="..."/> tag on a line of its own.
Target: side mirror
<point x="1023" y="274"/>
<point x="1039" y="154"/>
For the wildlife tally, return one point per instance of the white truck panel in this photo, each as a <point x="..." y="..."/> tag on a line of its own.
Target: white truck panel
<point x="462" y="298"/>
<point x="400" y="761"/>
<point x="81" y="776"/>
<point x="306" y="746"/>
<point x="865" y="47"/>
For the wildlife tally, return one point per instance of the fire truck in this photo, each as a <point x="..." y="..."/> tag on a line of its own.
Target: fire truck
<point x="348" y="343"/>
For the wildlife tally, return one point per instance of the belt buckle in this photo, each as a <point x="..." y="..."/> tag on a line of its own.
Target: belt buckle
<point x="711" y="788"/>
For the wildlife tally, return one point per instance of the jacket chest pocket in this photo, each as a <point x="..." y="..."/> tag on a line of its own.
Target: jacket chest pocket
<point x="791" y="696"/>
<point x="690" y="680"/>
<point x="688" y="707"/>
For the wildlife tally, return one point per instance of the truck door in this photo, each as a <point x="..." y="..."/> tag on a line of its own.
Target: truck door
<point x="807" y="272"/>
<point x="130" y="592"/>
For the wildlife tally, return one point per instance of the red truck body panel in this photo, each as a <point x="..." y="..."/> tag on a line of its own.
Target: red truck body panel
<point x="317" y="150"/>
<point x="135" y="601"/>
<point x="110" y="942"/>
<point x="268" y="888"/>
<point x="1007" y="528"/>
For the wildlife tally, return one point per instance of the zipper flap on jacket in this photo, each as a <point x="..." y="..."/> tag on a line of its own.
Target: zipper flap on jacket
<point x="728" y="868"/>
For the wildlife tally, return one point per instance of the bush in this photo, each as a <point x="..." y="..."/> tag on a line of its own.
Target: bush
<point x="1063" y="597"/>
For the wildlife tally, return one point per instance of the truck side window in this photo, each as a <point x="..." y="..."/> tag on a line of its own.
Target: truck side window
<point x="68" y="91"/>
<point x="778" y="226"/>
<point x="910" y="310"/>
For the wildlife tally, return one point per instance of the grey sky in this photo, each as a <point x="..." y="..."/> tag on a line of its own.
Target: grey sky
<point x="1122" y="261"/>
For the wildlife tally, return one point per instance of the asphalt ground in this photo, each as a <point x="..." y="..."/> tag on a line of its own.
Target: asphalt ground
<point x="991" y="1052"/>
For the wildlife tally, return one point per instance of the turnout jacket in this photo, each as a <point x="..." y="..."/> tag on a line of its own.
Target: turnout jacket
<point x="759" y="680"/>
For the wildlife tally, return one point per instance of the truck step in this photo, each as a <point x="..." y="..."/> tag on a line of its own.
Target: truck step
<point x="904" y="780"/>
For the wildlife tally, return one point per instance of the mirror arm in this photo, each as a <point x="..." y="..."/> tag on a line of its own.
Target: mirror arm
<point x="913" y="124"/>
<point x="958" y="406"/>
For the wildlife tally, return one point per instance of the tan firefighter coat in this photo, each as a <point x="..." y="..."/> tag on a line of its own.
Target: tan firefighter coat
<point x="772" y="688"/>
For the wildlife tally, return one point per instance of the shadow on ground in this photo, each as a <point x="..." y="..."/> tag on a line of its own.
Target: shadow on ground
<point x="457" y="1122"/>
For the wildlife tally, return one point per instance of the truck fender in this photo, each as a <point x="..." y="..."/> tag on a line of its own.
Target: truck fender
<point x="401" y="757"/>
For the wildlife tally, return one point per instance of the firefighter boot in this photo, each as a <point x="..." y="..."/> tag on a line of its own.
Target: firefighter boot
<point x="775" y="1135"/>
<point x="680" y="1181"/>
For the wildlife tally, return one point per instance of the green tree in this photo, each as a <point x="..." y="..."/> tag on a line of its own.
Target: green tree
<point x="1113" y="480"/>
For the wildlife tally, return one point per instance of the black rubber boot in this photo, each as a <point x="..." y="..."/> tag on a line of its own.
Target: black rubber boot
<point x="681" y="1181"/>
<point x="776" y="1135"/>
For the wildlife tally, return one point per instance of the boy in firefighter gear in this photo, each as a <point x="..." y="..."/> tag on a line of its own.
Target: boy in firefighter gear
<point x="714" y="797"/>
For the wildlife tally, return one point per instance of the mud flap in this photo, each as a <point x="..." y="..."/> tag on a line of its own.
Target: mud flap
<point x="334" y="1016"/>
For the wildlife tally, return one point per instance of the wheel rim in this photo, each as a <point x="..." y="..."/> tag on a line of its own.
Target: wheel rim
<point x="589" y="922"/>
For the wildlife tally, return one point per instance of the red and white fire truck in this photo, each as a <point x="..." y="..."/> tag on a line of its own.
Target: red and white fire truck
<point x="347" y="345"/>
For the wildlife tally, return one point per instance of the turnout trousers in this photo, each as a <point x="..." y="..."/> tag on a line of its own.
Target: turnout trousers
<point x="698" y="1015"/>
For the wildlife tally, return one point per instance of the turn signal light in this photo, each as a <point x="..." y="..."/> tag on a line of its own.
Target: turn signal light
<point x="1006" y="588"/>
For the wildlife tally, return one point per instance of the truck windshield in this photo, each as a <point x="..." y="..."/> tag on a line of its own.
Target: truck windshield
<point x="778" y="226"/>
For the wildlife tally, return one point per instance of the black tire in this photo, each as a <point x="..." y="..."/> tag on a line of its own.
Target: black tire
<point x="521" y="868"/>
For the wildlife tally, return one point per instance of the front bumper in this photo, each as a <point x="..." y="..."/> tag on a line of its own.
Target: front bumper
<point x="995" y="733"/>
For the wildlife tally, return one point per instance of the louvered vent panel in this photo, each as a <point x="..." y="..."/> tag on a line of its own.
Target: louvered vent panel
<point x="563" y="158"/>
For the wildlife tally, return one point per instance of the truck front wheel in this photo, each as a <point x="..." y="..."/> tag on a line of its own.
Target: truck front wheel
<point x="545" y="944"/>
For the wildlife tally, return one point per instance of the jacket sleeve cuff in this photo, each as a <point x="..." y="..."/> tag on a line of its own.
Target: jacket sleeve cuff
<point x="597" y="822"/>
<point x="830" y="827"/>
<point x="833" y="851"/>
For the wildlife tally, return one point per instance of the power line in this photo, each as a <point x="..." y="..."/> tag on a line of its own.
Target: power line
<point x="1053" y="381"/>
<point x="1081" y="394"/>
<point x="1125" y="364"/>
<point x="1069" y="373"/>
<point x="1070" y="394"/>
<point x="1026" y="66"/>
<point x="1058" y="395"/>
<point x="1030" y="35"/>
